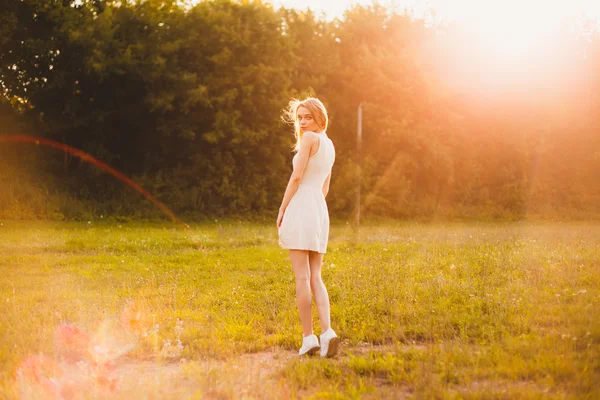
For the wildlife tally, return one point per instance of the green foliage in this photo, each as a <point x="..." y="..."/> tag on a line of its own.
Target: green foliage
<point x="187" y="101"/>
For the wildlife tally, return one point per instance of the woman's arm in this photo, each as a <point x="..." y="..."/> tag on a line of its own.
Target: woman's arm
<point x="326" y="185"/>
<point x="308" y="140"/>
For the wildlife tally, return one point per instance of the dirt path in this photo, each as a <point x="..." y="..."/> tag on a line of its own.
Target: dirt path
<point x="246" y="376"/>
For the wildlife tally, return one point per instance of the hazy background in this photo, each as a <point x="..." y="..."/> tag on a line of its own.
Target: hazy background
<point x="470" y="111"/>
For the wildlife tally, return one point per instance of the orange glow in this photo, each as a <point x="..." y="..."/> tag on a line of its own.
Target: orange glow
<point x="512" y="32"/>
<point x="511" y="46"/>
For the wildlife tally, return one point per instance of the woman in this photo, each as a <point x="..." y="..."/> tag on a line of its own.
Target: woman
<point x="303" y="220"/>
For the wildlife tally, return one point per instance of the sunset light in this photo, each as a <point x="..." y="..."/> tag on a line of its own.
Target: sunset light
<point x="501" y="42"/>
<point x="279" y="199"/>
<point x="512" y="32"/>
<point x="514" y="28"/>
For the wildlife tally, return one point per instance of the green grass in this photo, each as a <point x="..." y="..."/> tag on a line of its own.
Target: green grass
<point x="426" y="310"/>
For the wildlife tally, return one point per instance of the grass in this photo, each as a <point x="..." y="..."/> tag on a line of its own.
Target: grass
<point x="469" y="310"/>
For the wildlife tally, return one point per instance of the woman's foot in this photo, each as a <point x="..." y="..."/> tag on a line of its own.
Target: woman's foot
<point x="310" y="345"/>
<point x="329" y="343"/>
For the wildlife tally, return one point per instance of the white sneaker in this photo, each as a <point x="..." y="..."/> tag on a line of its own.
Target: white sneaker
<point x="329" y="343"/>
<point x="310" y="345"/>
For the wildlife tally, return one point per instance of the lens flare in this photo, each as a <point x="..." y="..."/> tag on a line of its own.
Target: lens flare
<point x="91" y="365"/>
<point x="92" y="160"/>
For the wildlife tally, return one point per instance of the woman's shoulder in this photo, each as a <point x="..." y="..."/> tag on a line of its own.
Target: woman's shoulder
<point x="310" y="136"/>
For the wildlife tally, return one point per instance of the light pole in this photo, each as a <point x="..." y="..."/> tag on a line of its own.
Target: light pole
<point x="358" y="167"/>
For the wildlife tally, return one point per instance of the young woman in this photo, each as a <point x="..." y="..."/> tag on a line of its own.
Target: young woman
<point x="303" y="220"/>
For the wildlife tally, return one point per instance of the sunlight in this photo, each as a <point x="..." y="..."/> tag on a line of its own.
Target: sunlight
<point x="507" y="46"/>
<point x="511" y="29"/>
<point x="511" y="34"/>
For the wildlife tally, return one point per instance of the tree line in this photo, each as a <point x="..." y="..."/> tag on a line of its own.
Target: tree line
<point x="187" y="101"/>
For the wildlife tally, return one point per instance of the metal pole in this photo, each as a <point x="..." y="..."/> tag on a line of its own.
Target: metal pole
<point x="358" y="167"/>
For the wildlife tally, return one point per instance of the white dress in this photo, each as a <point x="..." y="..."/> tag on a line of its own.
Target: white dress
<point x="305" y="224"/>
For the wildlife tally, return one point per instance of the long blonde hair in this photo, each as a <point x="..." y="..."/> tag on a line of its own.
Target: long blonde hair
<point x="316" y="108"/>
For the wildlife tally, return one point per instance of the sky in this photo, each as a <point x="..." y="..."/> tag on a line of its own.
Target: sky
<point x="459" y="9"/>
<point x="333" y="8"/>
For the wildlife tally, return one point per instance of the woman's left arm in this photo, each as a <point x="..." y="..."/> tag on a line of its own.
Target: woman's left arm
<point x="308" y="140"/>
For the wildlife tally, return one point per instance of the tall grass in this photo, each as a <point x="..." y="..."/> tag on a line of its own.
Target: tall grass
<point x="431" y="310"/>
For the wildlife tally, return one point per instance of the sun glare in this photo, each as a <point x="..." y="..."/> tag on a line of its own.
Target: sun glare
<point x="510" y="45"/>
<point x="511" y="27"/>
<point x="512" y="32"/>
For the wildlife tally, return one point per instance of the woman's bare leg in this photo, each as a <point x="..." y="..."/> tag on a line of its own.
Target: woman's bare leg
<point x="301" y="269"/>
<point x="319" y="290"/>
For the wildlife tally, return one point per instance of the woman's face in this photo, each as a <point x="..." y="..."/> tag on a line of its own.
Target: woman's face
<point x="307" y="121"/>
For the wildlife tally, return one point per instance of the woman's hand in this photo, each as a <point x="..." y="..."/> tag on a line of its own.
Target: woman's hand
<point x="280" y="218"/>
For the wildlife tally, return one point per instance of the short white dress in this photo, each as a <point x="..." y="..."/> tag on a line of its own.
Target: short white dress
<point x="305" y="224"/>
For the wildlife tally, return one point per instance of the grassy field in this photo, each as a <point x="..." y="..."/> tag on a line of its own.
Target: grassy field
<point x="425" y="310"/>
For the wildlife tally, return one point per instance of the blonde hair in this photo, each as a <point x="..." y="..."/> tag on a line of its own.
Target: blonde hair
<point x="316" y="108"/>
